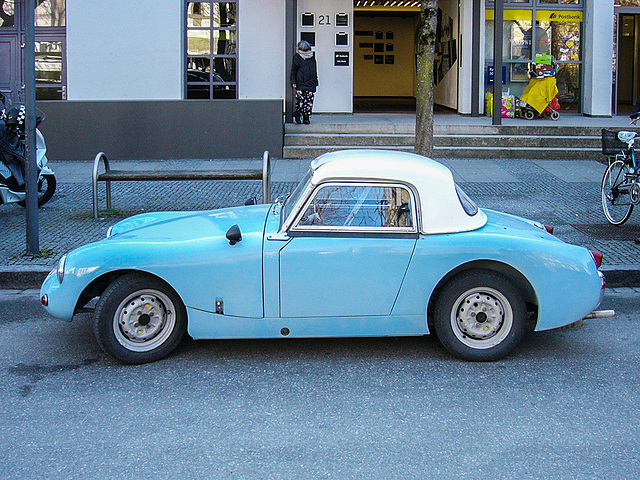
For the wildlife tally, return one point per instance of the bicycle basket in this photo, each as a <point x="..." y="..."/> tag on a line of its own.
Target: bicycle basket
<point x="611" y="145"/>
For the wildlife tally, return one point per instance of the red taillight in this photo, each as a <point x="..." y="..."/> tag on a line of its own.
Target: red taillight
<point x="546" y="228"/>
<point x="597" y="257"/>
<point x="44" y="300"/>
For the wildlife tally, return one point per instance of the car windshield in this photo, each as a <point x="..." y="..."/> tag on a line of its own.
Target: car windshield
<point x="293" y="198"/>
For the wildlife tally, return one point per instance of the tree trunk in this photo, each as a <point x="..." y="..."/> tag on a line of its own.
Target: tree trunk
<point x="425" y="43"/>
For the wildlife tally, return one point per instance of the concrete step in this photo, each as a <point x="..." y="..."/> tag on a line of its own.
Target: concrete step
<point x="442" y="151"/>
<point x="354" y="139"/>
<point x="409" y="128"/>
<point x="510" y="141"/>
<point x="519" y="141"/>
<point x="451" y="141"/>
<point x="532" y="152"/>
<point x="315" y="150"/>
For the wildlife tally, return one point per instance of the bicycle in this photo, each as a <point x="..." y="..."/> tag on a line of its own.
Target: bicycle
<point x="620" y="188"/>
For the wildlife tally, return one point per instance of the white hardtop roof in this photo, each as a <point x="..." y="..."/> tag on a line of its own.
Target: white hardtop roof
<point x="439" y="206"/>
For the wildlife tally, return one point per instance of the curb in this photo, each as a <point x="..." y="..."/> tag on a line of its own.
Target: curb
<point x="22" y="278"/>
<point x="25" y="278"/>
<point x="622" y="277"/>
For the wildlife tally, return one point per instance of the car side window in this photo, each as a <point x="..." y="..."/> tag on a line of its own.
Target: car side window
<point x="359" y="207"/>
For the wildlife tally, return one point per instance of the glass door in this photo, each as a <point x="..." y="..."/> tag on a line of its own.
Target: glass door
<point x="628" y="62"/>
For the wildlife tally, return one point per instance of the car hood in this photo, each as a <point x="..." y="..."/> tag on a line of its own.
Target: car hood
<point x="177" y="226"/>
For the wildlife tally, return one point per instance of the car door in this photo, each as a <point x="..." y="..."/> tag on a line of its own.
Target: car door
<point x="349" y="250"/>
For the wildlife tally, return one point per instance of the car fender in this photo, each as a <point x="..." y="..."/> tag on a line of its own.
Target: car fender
<point x="564" y="278"/>
<point x="203" y="269"/>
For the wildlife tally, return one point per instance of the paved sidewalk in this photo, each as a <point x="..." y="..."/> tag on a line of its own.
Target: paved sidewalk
<point x="565" y="194"/>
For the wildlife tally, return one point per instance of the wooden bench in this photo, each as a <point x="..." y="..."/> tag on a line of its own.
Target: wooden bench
<point x="109" y="175"/>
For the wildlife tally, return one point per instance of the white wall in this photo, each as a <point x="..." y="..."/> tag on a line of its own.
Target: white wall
<point x="335" y="92"/>
<point x="597" y="56"/>
<point x="124" y="50"/>
<point x="261" y="49"/>
<point x="465" y="36"/>
<point x="446" y="92"/>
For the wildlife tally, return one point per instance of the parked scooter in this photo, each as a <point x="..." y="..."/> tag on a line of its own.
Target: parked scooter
<point x="12" y="157"/>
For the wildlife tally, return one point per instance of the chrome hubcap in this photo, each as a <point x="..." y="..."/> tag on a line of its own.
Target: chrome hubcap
<point x="481" y="318"/>
<point x="144" y="320"/>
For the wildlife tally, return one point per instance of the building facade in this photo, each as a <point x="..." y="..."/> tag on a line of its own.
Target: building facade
<point x="141" y="58"/>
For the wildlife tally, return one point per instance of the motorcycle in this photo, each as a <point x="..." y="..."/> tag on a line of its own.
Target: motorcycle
<point x="13" y="161"/>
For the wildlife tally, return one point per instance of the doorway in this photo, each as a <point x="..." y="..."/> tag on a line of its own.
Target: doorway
<point x="384" y="73"/>
<point x="628" y="67"/>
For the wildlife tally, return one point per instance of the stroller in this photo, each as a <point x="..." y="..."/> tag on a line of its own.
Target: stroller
<point x="540" y="98"/>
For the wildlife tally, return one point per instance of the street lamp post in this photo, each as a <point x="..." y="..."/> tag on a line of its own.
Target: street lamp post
<point x="31" y="170"/>
<point x="498" y="33"/>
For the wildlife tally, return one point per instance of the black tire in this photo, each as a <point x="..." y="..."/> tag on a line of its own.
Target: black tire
<point x="615" y="191"/>
<point x="147" y="305"/>
<point x="480" y="316"/>
<point x="529" y="115"/>
<point x="46" y="189"/>
<point x="555" y="115"/>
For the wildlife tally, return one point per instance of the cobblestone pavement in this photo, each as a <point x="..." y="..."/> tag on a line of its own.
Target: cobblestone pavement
<point x="565" y="194"/>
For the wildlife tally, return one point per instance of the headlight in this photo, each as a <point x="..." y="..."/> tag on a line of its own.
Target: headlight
<point x="63" y="260"/>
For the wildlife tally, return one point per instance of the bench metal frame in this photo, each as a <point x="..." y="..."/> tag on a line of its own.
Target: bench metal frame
<point x="109" y="175"/>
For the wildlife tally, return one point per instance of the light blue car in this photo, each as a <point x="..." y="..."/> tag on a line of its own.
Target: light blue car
<point x="370" y="243"/>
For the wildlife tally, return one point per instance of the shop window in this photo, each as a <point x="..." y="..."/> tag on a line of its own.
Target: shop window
<point x="8" y="14"/>
<point x="51" y="13"/>
<point x="211" y="55"/>
<point x="560" y="39"/>
<point x="555" y="31"/>
<point x="50" y="50"/>
<point x="552" y="2"/>
<point x="559" y="2"/>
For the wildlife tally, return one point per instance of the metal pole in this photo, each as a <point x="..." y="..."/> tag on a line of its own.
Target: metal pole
<point x="31" y="170"/>
<point x="498" y="10"/>
<point x="291" y="20"/>
<point x="475" y="59"/>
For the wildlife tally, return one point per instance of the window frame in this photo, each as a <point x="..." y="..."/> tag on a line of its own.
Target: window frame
<point x="211" y="57"/>
<point x="295" y="228"/>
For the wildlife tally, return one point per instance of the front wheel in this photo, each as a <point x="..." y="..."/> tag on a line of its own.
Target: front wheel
<point x="139" y="319"/>
<point x="46" y="189"/>
<point x="616" y="193"/>
<point x="480" y="316"/>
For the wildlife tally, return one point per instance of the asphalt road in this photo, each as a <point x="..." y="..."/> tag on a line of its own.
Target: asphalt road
<point x="564" y="406"/>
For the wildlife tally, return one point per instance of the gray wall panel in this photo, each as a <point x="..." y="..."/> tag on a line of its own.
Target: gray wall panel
<point x="165" y="129"/>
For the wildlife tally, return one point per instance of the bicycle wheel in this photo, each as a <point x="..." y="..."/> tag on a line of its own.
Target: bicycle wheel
<point x="616" y="189"/>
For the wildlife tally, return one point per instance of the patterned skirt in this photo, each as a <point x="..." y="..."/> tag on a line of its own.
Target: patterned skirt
<point x="304" y="102"/>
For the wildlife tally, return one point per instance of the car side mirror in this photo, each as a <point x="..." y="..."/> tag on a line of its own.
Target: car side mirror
<point x="233" y="235"/>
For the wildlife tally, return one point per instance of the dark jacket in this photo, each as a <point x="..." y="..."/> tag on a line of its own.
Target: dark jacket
<point x="304" y="73"/>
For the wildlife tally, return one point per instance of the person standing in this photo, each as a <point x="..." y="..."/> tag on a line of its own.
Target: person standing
<point x="304" y="78"/>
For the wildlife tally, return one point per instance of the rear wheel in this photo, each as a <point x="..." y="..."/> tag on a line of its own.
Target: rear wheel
<point x="139" y="319"/>
<point x="616" y="193"/>
<point x="480" y="316"/>
<point x="46" y="189"/>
